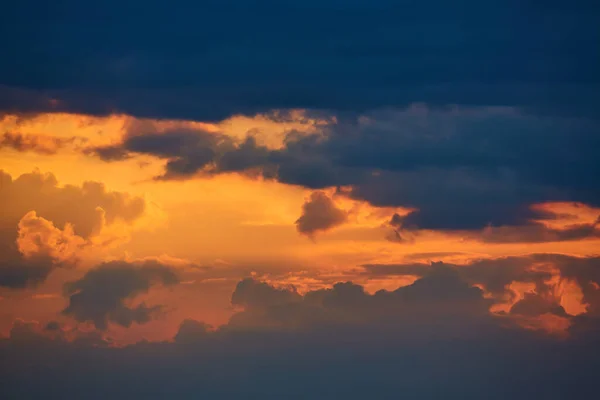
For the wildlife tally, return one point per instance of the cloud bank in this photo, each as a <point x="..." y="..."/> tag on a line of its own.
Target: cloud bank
<point x="350" y="57"/>
<point x="430" y="339"/>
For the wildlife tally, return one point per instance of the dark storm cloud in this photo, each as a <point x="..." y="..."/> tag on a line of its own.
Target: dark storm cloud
<point x="100" y="296"/>
<point x="212" y="59"/>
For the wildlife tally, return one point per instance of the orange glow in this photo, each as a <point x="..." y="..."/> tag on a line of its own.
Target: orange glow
<point x="549" y="323"/>
<point x="218" y="230"/>
<point x="567" y="214"/>
<point x="518" y="290"/>
<point x="571" y="297"/>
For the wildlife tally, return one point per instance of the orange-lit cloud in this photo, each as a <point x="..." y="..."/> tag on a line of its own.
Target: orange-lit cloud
<point x="220" y="229"/>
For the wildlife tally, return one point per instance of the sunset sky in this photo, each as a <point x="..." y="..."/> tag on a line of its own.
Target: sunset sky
<point x="277" y="199"/>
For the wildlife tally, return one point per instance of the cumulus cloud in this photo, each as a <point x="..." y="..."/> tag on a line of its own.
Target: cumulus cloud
<point x="44" y="225"/>
<point x="77" y="205"/>
<point x="40" y="248"/>
<point x="39" y="236"/>
<point x="100" y="296"/>
<point x="320" y="213"/>
<point x="529" y="286"/>
<point x="441" y="294"/>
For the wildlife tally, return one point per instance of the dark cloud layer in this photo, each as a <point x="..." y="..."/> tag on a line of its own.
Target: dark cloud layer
<point x="212" y="59"/>
<point x="100" y="296"/>
<point x="432" y="339"/>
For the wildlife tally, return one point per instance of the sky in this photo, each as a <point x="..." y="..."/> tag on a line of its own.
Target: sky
<point x="300" y="200"/>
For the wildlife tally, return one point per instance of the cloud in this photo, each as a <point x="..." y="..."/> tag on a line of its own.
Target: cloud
<point x="436" y="330"/>
<point x="40" y="248"/>
<point x="86" y="207"/>
<point x="100" y="295"/>
<point x="531" y="285"/>
<point x="534" y="305"/>
<point x="461" y="168"/>
<point x="41" y="144"/>
<point x="191" y="330"/>
<point x="44" y="226"/>
<point x="18" y="273"/>
<point x="188" y="151"/>
<point x="535" y="233"/>
<point x="254" y="294"/>
<point x="319" y="213"/>
<point x="244" y="60"/>
<point x="31" y="332"/>
<point x="553" y="222"/>
<point x="441" y="294"/>
<point x="39" y="236"/>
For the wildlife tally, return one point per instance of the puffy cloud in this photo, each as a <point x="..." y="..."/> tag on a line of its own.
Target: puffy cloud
<point x="441" y="294"/>
<point x="38" y="236"/>
<point x="41" y="247"/>
<point x="100" y="295"/>
<point x="319" y="213"/>
<point x="44" y="225"/>
<point x="76" y="205"/>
